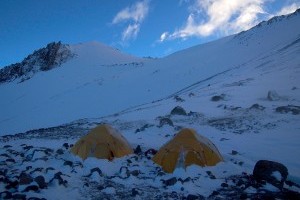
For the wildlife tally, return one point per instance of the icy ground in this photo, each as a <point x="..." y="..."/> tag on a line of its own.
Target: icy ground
<point x="243" y="111"/>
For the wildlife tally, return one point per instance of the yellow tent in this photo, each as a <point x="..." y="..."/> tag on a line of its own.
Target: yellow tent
<point x="102" y="142"/>
<point x="185" y="149"/>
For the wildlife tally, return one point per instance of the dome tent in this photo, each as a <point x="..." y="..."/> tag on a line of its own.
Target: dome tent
<point x="102" y="142"/>
<point x="187" y="148"/>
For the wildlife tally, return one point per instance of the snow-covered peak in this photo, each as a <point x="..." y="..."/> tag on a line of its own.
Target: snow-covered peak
<point x="100" y="54"/>
<point x="44" y="59"/>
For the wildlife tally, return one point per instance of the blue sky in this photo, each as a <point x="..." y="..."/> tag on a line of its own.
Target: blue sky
<point x="140" y="27"/>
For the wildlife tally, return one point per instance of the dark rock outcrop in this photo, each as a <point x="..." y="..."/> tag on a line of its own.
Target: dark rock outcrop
<point x="264" y="171"/>
<point x="44" y="59"/>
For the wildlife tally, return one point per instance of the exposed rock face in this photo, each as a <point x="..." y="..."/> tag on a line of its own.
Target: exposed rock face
<point x="44" y="59"/>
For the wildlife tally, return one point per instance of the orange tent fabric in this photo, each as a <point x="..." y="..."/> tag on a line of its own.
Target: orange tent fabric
<point x="102" y="142"/>
<point x="187" y="148"/>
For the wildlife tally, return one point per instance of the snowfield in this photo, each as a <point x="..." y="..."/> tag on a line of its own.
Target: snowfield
<point x="242" y="92"/>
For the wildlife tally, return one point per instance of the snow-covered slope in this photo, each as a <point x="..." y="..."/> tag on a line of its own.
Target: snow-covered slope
<point x="100" y="80"/>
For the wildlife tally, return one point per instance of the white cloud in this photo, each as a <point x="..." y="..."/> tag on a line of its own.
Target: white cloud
<point x="222" y="16"/>
<point x="163" y="36"/>
<point x="288" y="9"/>
<point x="135" y="15"/>
<point x="131" y="31"/>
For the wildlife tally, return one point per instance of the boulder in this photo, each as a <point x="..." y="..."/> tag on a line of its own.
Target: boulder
<point x="265" y="170"/>
<point x="19" y="197"/>
<point x="170" y="182"/>
<point x="257" y="107"/>
<point x="5" y="195"/>
<point x="295" y="110"/>
<point x="25" y="179"/>
<point x="138" y="150"/>
<point x="68" y="163"/>
<point x="95" y="170"/>
<point x="134" y="192"/>
<point x="178" y="99"/>
<point x="178" y="111"/>
<point x="165" y="121"/>
<point x="273" y="96"/>
<point x="66" y="145"/>
<point x="60" y="151"/>
<point x="218" y="97"/>
<point x="33" y="188"/>
<point x="40" y="180"/>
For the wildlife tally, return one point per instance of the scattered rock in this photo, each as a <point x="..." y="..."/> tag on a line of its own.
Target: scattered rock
<point x="49" y="169"/>
<point x="95" y="170"/>
<point x="39" y="169"/>
<point x="31" y="188"/>
<point x="210" y="174"/>
<point x="26" y="148"/>
<point x="60" y="151"/>
<point x="178" y="99"/>
<point x="7" y="146"/>
<point x="35" y="198"/>
<point x="10" y="160"/>
<point x="5" y="195"/>
<point x="25" y="179"/>
<point x="135" y="172"/>
<point x="58" y="177"/>
<point x="66" y="145"/>
<point x="12" y="184"/>
<point x="273" y="96"/>
<point x="19" y="197"/>
<point x="224" y="139"/>
<point x="134" y="192"/>
<point x="5" y="155"/>
<point x="191" y="94"/>
<point x="143" y="128"/>
<point x="150" y="152"/>
<point x="218" y="97"/>
<point x="185" y="180"/>
<point x="68" y="163"/>
<point x="165" y="121"/>
<point x="257" y="107"/>
<point x="233" y="152"/>
<point x="178" y="111"/>
<point x="170" y="182"/>
<point x="295" y="110"/>
<point x="40" y="180"/>
<point x="264" y="171"/>
<point x="138" y="150"/>
<point x="194" y="197"/>
<point x="224" y="185"/>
